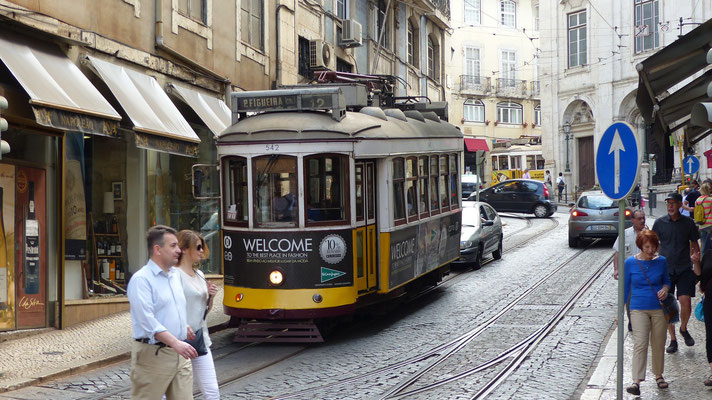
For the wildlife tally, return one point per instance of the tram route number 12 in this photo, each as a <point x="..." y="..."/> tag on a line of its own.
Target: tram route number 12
<point x="272" y="147"/>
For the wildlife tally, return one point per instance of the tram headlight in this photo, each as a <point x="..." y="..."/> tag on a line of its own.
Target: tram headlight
<point x="276" y="277"/>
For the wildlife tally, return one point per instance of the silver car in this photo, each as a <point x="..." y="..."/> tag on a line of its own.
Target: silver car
<point x="481" y="234"/>
<point x="595" y="216"/>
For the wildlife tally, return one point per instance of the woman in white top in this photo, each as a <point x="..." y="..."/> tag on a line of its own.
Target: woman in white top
<point x="199" y="295"/>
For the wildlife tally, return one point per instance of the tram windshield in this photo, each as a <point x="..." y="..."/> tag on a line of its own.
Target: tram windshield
<point x="276" y="192"/>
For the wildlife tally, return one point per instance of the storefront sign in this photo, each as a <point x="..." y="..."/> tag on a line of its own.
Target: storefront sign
<point x="307" y="259"/>
<point x="166" y="145"/>
<point x="70" y="121"/>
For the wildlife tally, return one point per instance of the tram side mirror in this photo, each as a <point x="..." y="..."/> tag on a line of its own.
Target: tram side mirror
<point x="206" y="181"/>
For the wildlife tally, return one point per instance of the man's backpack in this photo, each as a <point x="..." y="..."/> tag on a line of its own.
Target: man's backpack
<point x="700" y="212"/>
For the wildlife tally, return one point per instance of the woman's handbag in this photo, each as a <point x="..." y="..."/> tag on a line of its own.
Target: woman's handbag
<point x="669" y="305"/>
<point x="700" y="310"/>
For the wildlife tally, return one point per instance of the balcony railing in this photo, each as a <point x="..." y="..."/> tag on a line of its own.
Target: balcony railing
<point x="511" y="87"/>
<point x="443" y="6"/>
<point x="535" y="88"/>
<point x="474" y="84"/>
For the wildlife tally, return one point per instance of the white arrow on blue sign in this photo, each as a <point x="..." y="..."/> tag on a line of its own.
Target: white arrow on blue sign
<point x="617" y="163"/>
<point x="691" y="164"/>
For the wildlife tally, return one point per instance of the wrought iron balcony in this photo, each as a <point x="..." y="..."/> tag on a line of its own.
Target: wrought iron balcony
<point x="511" y="87"/>
<point x="443" y="6"/>
<point x="535" y="90"/>
<point x="474" y="84"/>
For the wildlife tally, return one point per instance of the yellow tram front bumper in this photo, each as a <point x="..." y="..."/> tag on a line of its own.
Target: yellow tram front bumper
<point x="289" y="299"/>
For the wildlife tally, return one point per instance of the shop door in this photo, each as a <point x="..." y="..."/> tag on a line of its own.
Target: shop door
<point x="365" y="232"/>
<point x="30" y="247"/>
<point x="586" y="167"/>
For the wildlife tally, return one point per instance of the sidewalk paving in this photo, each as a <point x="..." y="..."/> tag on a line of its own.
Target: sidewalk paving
<point x="684" y="370"/>
<point x="31" y="357"/>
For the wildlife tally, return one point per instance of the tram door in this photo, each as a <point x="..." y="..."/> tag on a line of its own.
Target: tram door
<point x="365" y="233"/>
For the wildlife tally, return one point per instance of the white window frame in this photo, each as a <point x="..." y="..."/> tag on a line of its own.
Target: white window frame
<point x="508" y="13"/>
<point x="412" y="45"/>
<point x="377" y="27"/>
<point x="201" y="28"/>
<point x="473" y="110"/>
<point x="650" y="41"/>
<point x="508" y="66"/>
<point x="473" y="12"/>
<point x="340" y="5"/>
<point x="473" y="65"/>
<point x="537" y="115"/>
<point x="509" y="112"/>
<point x="577" y="47"/>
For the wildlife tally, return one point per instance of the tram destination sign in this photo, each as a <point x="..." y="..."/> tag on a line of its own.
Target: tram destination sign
<point x="290" y="100"/>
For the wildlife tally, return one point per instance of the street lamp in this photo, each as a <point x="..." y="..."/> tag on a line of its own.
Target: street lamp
<point x="567" y="137"/>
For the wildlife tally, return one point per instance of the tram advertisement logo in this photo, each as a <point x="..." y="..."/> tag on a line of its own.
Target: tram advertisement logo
<point x="307" y="259"/>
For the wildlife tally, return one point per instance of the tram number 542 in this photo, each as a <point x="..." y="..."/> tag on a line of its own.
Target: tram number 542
<point x="272" y="147"/>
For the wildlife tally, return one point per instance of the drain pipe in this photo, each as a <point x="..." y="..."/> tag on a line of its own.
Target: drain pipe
<point x="160" y="45"/>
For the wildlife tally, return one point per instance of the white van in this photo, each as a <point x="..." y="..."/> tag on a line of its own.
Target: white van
<point x="470" y="184"/>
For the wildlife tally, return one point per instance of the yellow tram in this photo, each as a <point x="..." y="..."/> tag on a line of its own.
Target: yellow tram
<point x="330" y="204"/>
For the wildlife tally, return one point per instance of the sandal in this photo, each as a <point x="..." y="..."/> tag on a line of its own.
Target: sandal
<point x="662" y="384"/>
<point x="633" y="389"/>
<point x="708" y="381"/>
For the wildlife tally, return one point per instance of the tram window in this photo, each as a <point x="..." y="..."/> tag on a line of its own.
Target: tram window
<point x="454" y="176"/>
<point x="398" y="190"/>
<point x="325" y="191"/>
<point x="503" y="162"/>
<point x="530" y="163"/>
<point x="410" y="187"/>
<point x="434" y="199"/>
<point x="495" y="164"/>
<point x="371" y="201"/>
<point x="275" y="201"/>
<point x="235" y="190"/>
<point x="516" y="162"/>
<point x="539" y="162"/>
<point x="423" y="185"/>
<point x="359" y="192"/>
<point x="444" y="201"/>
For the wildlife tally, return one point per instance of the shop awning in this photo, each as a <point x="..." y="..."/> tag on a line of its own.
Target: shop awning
<point x="476" y="144"/>
<point x="659" y="73"/>
<point x="214" y="112"/>
<point x="158" y="123"/>
<point x="60" y="95"/>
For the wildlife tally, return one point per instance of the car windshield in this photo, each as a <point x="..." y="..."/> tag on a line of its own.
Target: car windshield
<point x="599" y="202"/>
<point x="469" y="186"/>
<point x="470" y="216"/>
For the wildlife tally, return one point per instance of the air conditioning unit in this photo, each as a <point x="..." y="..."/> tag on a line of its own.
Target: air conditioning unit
<point x="351" y="34"/>
<point x="319" y="54"/>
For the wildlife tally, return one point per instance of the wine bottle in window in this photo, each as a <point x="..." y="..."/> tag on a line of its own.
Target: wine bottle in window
<point x="3" y="259"/>
<point x="32" y="247"/>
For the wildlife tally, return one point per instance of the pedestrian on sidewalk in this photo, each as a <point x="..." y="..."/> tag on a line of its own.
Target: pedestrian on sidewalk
<point x="647" y="283"/>
<point x="199" y="295"/>
<point x="705" y="200"/>
<point x="548" y="180"/>
<point x="159" y="356"/>
<point x="631" y="249"/>
<point x="560" y="184"/>
<point x="526" y="174"/>
<point x="678" y="236"/>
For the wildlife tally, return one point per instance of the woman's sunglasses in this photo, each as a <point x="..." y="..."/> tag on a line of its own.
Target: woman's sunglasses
<point x="199" y="247"/>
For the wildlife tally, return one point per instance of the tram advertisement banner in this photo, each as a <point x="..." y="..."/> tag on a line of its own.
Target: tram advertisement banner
<point x="307" y="259"/>
<point x="422" y="248"/>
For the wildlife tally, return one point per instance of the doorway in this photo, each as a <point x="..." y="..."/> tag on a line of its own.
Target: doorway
<point x="586" y="167"/>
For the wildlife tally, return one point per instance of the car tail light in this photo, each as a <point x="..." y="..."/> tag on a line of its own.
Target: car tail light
<point x="628" y="213"/>
<point x="578" y="213"/>
<point x="546" y="191"/>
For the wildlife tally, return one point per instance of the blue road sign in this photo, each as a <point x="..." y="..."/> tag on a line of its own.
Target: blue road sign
<point x="691" y="164"/>
<point x="617" y="160"/>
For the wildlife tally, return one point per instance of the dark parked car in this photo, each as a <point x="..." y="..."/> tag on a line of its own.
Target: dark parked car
<point x="595" y="216"/>
<point x="519" y="195"/>
<point x="481" y="234"/>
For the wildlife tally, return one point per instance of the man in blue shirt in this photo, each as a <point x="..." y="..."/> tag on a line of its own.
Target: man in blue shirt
<point x="160" y="359"/>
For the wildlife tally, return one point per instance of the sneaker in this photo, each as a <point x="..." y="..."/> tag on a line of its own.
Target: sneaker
<point x="672" y="347"/>
<point x="689" y="341"/>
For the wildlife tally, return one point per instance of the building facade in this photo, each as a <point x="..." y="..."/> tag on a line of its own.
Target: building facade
<point x="495" y="86"/>
<point x="588" y="70"/>
<point x="112" y="103"/>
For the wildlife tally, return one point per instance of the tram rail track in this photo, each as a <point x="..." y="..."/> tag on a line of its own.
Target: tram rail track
<point x="442" y="352"/>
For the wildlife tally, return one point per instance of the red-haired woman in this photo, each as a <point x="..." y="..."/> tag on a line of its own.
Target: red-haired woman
<point x="647" y="283"/>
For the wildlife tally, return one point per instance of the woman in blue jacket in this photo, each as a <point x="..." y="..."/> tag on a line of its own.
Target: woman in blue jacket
<point x="646" y="314"/>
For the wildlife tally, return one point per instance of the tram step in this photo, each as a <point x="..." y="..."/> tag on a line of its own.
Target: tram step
<point x="285" y="332"/>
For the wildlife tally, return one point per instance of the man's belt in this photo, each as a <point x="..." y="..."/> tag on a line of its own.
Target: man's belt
<point x="148" y="341"/>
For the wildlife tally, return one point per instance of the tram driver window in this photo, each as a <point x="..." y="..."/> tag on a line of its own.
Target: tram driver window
<point x="398" y="191"/>
<point x="276" y="192"/>
<point x="235" y="190"/>
<point x="326" y="183"/>
<point x="411" y="174"/>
